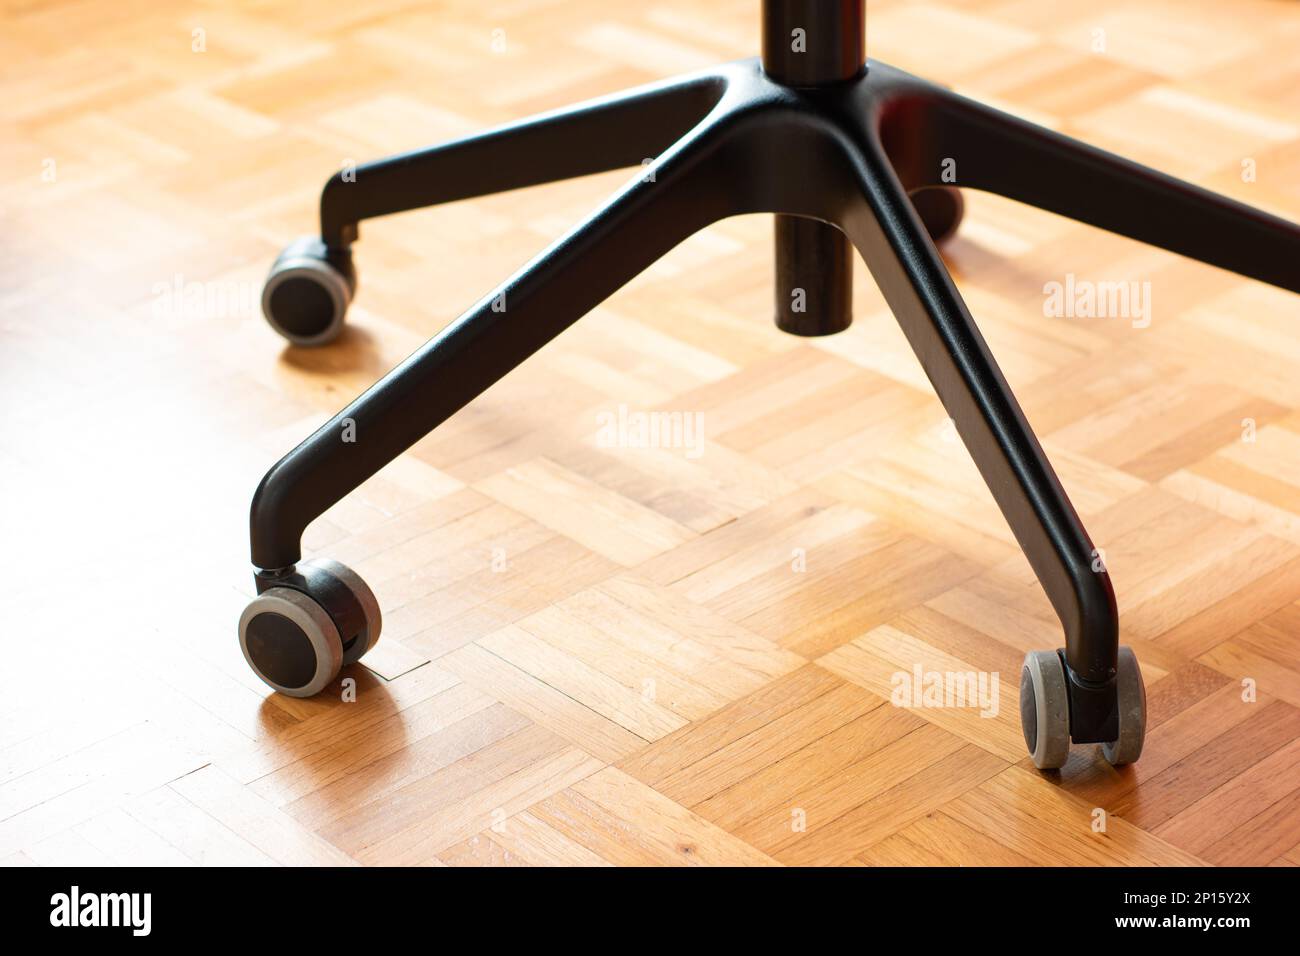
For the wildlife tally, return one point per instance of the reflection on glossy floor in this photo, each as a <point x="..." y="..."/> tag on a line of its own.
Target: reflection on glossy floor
<point x="593" y="652"/>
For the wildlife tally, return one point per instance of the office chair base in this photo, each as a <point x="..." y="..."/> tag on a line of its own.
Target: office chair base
<point x="851" y="157"/>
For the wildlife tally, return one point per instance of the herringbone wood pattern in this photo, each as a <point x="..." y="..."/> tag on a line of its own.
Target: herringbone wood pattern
<point x="601" y="654"/>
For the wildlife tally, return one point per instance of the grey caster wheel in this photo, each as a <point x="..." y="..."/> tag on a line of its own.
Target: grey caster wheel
<point x="1045" y="709"/>
<point x="941" y="209"/>
<point x="1132" y="695"/>
<point x="308" y="291"/>
<point x="307" y="624"/>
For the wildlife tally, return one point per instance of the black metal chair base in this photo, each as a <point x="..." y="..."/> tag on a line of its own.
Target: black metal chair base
<point x="833" y="148"/>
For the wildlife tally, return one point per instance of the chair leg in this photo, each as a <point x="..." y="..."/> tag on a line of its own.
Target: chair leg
<point x="313" y="281"/>
<point x="906" y="266"/>
<point x="688" y="187"/>
<point x="997" y="152"/>
<point x="624" y="129"/>
<point x="814" y="277"/>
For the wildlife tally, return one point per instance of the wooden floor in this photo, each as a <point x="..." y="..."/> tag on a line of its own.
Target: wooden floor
<point x="596" y="653"/>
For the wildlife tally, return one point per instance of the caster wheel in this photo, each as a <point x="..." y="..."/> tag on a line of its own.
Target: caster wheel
<point x="307" y="292"/>
<point x="355" y="646"/>
<point x="1132" y="695"/>
<point x="298" y="633"/>
<point x="941" y="209"/>
<point x="290" y="642"/>
<point x="1045" y="709"/>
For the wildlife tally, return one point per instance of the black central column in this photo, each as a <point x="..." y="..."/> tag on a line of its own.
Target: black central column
<point x="811" y="43"/>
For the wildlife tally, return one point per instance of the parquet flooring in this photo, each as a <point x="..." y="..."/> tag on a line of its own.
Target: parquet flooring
<point x="614" y="655"/>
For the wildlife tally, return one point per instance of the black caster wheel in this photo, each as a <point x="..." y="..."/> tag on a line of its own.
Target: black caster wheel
<point x="1132" y="695"/>
<point x="1045" y="709"/>
<point x="355" y="645"/>
<point x="308" y="291"/>
<point x="941" y="209"/>
<point x="306" y="624"/>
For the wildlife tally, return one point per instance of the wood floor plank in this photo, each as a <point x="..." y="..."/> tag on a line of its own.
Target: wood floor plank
<point x="530" y="839"/>
<point x="268" y="828"/>
<point x="1052" y="828"/>
<point x="896" y="666"/>
<point x="528" y="695"/>
<point x="1234" y="803"/>
<point x="633" y="824"/>
<point x="940" y="840"/>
